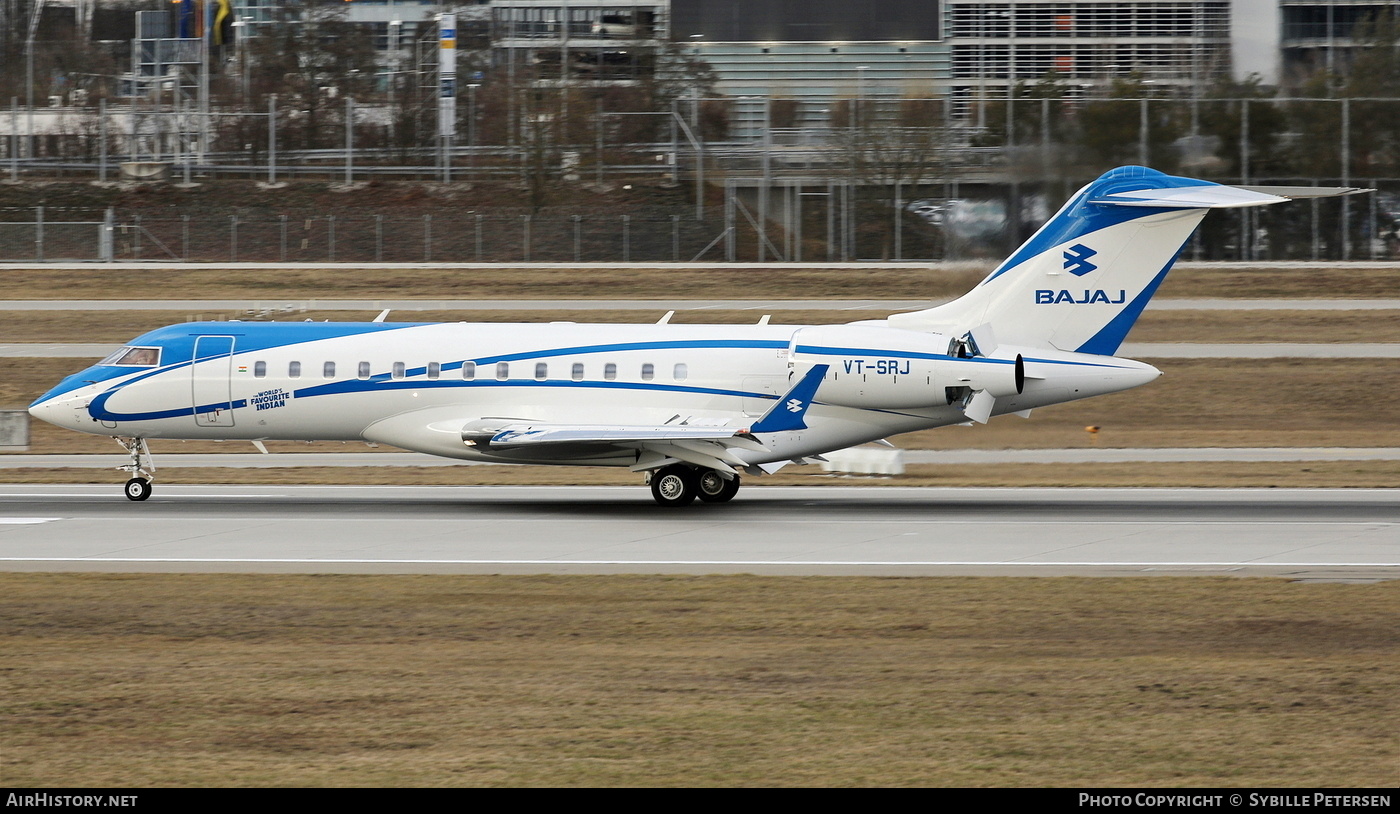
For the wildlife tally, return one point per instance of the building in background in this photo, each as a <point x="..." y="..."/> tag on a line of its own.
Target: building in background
<point x="1324" y="34"/>
<point x="613" y="41"/>
<point x="814" y="55"/>
<point x="1171" y="45"/>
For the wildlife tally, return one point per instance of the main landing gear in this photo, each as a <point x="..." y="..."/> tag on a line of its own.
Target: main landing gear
<point x="679" y="485"/>
<point x="141" y="468"/>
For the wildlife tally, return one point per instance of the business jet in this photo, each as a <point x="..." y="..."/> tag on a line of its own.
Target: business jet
<point x="692" y="407"/>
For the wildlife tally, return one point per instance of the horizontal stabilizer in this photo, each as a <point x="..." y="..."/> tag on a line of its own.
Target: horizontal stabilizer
<point x="1206" y="196"/>
<point x="1307" y="192"/>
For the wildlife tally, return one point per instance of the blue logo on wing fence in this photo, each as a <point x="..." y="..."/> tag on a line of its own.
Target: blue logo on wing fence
<point x="1077" y="260"/>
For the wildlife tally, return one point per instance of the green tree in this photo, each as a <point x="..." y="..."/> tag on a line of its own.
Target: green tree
<point x="1372" y="126"/>
<point x="1222" y="115"/>
<point x="1035" y="107"/>
<point x="1110" y="130"/>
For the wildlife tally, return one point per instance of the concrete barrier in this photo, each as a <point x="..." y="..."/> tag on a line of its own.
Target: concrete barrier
<point x="865" y="460"/>
<point x="145" y="170"/>
<point x="14" y="430"/>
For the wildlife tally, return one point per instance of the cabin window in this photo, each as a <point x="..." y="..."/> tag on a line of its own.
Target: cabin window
<point x="648" y="372"/>
<point x="610" y="371"/>
<point x="364" y="370"/>
<point x="134" y="357"/>
<point x="259" y="370"/>
<point x="469" y="370"/>
<point x="577" y="372"/>
<point x="434" y="370"/>
<point x="502" y="371"/>
<point x="681" y="372"/>
<point x="541" y="371"/>
<point x="399" y="369"/>
<point x="328" y="370"/>
<point x="294" y="370"/>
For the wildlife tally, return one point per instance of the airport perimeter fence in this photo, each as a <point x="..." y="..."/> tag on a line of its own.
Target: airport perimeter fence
<point x="806" y="223"/>
<point x="377" y="239"/>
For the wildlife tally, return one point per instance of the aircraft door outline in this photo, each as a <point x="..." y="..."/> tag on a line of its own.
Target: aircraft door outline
<point x="211" y="381"/>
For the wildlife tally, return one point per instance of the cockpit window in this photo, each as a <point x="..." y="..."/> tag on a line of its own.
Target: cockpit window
<point x="134" y="357"/>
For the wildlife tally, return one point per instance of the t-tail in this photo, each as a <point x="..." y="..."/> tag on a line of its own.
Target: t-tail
<point x="1083" y="279"/>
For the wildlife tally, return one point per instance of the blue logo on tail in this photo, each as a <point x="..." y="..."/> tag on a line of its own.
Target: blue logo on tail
<point x="1077" y="260"/>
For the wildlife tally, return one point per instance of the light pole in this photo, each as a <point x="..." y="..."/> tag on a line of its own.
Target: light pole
<point x="29" y="76"/>
<point x="860" y="91"/>
<point x="471" y="128"/>
<point x="395" y="28"/>
<point x="238" y="34"/>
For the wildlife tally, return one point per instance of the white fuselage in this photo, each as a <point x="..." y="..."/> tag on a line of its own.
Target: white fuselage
<point x="417" y="386"/>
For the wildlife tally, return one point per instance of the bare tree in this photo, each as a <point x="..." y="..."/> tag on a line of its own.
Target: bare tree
<point x="312" y="56"/>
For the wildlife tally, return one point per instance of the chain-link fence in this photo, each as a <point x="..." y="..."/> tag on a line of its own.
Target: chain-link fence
<point x="804" y="223"/>
<point x="330" y="238"/>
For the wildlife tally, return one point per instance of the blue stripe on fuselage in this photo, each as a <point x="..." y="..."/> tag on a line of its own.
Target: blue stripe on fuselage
<point x="385" y="381"/>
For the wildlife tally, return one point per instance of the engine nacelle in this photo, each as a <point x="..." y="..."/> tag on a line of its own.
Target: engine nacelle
<point x="872" y="367"/>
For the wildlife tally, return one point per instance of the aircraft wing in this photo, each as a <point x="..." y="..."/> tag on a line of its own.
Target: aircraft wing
<point x="708" y="446"/>
<point x="518" y="436"/>
<point x="657" y="446"/>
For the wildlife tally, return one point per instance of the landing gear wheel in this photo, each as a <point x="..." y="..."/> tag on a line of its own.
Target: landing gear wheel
<point x="141" y="468"/>
<point x="674" y="486"/>
<point x="138" y="489"/>
<point x="713" y="488"/>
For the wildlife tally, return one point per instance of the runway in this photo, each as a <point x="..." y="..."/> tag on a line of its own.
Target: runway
<point x="948" y="457"/>
<point x="1300" y="534"/>
<point x="292" y="306"/>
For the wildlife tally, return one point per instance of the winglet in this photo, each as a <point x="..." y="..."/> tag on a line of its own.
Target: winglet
<point x="790" y="410"/>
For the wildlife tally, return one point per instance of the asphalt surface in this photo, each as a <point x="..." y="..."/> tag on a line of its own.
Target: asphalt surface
<point x="1351" y="535"/>
<point x="253" y="460"/>
<point x="292" y="306"/>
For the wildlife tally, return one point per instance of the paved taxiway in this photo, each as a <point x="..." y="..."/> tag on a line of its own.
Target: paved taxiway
<point x="290" y="307"/>
<point x="253" y="460"/>
<point x="1301" y="534"/>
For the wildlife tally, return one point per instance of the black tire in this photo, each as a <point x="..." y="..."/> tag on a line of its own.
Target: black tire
<point x="138" y="489"/>
<point x="711" y="487"/>
<point x="674" y="486"/>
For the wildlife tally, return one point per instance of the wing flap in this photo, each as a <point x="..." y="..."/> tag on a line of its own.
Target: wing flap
<point x="517" y="436"/>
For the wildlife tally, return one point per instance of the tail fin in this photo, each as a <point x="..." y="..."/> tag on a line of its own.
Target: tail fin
<point x="1081" y="281"/>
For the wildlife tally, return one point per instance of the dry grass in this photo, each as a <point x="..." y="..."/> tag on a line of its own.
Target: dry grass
<point x="219" y="680"/>
<point x="1244" y="327"/>
<point x="1196" y="403"/>
<point x="721" y="282"/>
<point x="1212" y="403"/>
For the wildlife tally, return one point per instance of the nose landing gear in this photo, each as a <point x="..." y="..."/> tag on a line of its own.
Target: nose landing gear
<point x="141" y="468"/>
<point x="138" y="489"/>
